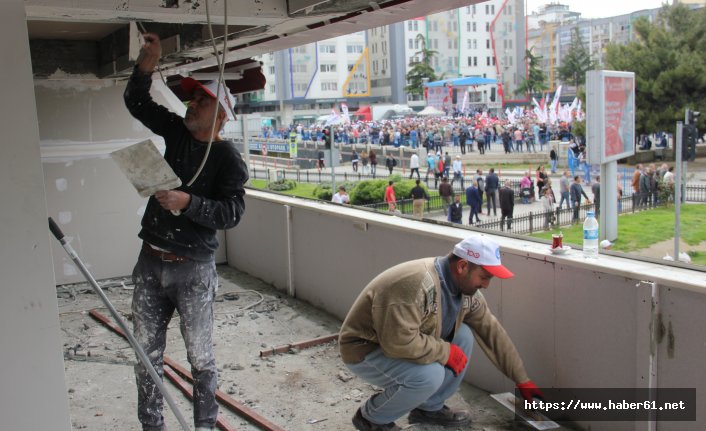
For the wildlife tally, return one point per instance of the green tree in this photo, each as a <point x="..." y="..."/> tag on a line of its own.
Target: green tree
<point x="536" y="82"/>
<point x="421" y="69"/>
<point x="667" y="57"/>
<point x="576" y="62"/>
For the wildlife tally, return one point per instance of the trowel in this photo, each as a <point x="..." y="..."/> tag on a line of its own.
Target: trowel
<point x="145" y="168"/>
<point x="532" y="417"/>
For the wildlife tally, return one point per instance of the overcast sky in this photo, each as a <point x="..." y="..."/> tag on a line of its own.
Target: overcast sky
<point x="600" y="8"/>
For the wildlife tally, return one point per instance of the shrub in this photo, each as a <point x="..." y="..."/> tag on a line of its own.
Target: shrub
<point x="373" y="191"/>
<point x="282" y="185"/>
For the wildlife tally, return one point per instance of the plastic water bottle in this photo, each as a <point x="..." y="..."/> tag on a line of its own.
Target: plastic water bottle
<point x="590" y="235"/>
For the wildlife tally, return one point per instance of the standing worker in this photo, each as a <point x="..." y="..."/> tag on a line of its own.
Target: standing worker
<point x="409" y="332"/>
<point x="176" y="268"/>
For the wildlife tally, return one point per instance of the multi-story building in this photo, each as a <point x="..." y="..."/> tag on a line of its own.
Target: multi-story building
<point x="551" y="40"/>
<point x="484" y="40"/>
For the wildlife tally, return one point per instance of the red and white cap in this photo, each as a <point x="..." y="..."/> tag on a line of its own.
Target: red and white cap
<point x="211" y="87"/>
<point x="482" y="251"/>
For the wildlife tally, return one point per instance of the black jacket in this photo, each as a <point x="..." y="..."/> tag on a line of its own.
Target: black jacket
<point x="216" y="195"/>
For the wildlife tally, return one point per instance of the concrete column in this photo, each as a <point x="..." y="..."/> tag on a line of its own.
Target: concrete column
<point x="32" y="372"/>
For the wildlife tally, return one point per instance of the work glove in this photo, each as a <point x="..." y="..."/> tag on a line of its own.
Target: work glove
<point x="529" y="390"/>
<point x="457" y="360"/>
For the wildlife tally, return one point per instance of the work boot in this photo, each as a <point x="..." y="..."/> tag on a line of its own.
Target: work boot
<point x="445" y="417"/>
<point x="362" y="424"/>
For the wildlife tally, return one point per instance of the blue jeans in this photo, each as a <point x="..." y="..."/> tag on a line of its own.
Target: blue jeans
<point x="565" y="197"/>
<point x="554" y="163"/>
<point x="160" y="288"/>
<point x="407" y="385"/>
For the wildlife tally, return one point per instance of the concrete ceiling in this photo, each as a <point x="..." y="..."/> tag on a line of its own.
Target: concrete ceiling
<point x="100" y="37"/>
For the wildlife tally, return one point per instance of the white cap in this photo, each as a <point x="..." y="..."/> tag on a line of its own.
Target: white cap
<point x="482" y="251"/>
<point x="211" y="88"/>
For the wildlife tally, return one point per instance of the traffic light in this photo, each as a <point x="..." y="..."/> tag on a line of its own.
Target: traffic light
<point x="690" y="135"/>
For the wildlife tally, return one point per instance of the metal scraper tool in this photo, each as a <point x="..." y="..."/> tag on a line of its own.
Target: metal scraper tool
<point x="145" y="168"/>
<point x="532" y="417"/>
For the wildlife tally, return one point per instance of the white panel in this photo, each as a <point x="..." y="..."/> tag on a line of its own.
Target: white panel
<point x="33" y="391"/>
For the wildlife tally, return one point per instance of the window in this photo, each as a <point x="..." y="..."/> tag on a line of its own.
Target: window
<point x="328" y="67"/>
<point x="468" y="26"/>
<point x="492" y="9"/>
<point x="271" y="88"/>
<point x="487" y="61"/>
<point x="470" y="44"/>
<point x="329" y="86"/>
<point x="509" y="43"/>
<point x="416" y="43"/>
<point x="454" y="25"/>
<point x="354" y="49"/>
<point x="409" y="25"/>
<point x="436" y="43"/>
<point x="475" y="44"/>
<point x="470" y="61"/>
<point x="455" y="43"/>
<point x="509" y="10"/>
<point x="327" y="49"/>
<point x="474" y="27"/>
<point x="487" y="10"/>
<point x="456" y="62"/>
<point x="493" y="62"/>
<point x="272" y="70"/>
<point x="411" y="44"/>
<point x="487" y="27"/>
<point x="449" y="43"/>
<point x="475" y="61"/>
<point x="474" y="9"/>
<point x="468" y="9"/>
<point x="416" y="25"/>
<point x="300" y="88"/>
<point x="299" y="68"/>
<point x="487" y="43"/>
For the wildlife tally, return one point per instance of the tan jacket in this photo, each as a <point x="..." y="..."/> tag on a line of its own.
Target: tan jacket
<point x="399" y="312"/>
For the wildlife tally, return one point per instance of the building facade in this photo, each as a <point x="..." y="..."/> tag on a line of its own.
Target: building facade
<point x="485" y="40"/>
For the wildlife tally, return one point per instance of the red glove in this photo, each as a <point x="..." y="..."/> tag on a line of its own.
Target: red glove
<point x="457" y="360"/>
<point x="529" y="390"/>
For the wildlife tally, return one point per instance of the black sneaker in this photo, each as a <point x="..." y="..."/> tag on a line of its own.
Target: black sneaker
<point x="362" y="424"/>
<point x="445" y="417"/>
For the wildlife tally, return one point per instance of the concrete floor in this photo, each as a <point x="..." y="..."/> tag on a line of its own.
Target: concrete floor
<point x="306" y="390"/>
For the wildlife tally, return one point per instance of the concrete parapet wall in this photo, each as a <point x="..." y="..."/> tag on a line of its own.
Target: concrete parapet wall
<point x="576" y="322"/>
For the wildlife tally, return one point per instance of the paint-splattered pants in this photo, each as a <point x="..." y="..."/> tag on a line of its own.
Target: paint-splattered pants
<point x="160" y="288"/>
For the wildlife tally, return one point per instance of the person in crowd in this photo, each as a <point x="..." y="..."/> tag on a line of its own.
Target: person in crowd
<point x="473" y="200"/>
<point x="340" y="197"/>
<point x="507" y="205"/>
<point x="390" y="197"/>
<point x="456" y="211"/>
<point x="446" y="192"/>
<point x="419" y="199"/>
<point x="576" y="191"/>
<point x="491" y="187"/>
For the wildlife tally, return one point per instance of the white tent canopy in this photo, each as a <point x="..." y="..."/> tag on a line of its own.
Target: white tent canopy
<point x="430" y="111"/>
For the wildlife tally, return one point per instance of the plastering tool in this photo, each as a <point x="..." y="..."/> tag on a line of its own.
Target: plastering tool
<point x="532" y="417"/>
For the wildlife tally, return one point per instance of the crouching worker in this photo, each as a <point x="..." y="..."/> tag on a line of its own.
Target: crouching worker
<point x="409" y="333"/>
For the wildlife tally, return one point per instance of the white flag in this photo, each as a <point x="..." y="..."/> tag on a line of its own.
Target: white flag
<point x="344" y="109"/>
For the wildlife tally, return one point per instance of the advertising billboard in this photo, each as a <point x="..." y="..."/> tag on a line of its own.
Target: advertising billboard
<point x="610" y="115"/>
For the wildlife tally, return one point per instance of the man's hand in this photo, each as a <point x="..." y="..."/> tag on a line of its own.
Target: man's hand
<point x="457" y="360"/>
<point x="173" y="199"/>
<point x="150" y="53"/>
<point x="529" y="390"/>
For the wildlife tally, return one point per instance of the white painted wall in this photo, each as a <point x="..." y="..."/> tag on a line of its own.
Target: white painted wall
<point x="81" y="122"/>
<point x="576" y="323"/>
<point x="32" y="373"/>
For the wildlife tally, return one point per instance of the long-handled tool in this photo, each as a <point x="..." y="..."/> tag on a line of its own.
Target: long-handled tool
<point x="142" y="356"/>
